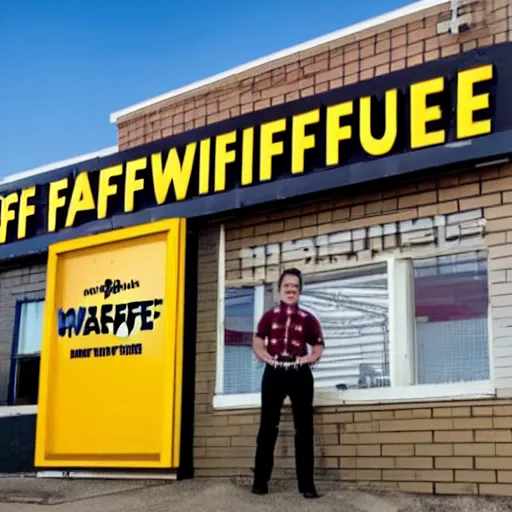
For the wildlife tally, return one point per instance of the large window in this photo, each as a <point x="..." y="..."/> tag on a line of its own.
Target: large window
<point x="352" y="308"/>
<point x="406" y="328"/>
<point x="28" y="329"/>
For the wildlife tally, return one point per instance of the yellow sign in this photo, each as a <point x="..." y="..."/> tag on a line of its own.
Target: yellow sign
<point x="111" y="362"/>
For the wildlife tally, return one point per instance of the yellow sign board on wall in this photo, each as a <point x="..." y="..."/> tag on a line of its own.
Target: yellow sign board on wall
<point x="111" y="361"/>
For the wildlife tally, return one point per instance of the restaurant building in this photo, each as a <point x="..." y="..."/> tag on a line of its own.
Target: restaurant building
<point x="377" y="160"/>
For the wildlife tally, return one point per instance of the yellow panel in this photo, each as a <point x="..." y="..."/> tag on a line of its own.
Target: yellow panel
<point x="110" y="386"/>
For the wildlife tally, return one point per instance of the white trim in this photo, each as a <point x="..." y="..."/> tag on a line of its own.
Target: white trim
<point x="273" y="57"/>
<point x="57" y="165"/>
<point x="401" y="321"/>
<point x="490" y="321"/>
<point x="421" y="393"/>
<point x="221" y="284"/>
<point x="8" y="411"/>
<point x="117" y="475"/>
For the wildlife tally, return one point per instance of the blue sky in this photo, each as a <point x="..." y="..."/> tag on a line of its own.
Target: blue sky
<point x="65" y="65"/>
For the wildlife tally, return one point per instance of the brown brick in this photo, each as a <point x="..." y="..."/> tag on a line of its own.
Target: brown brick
<point x="340" y="417"/>
<point x="417" y="199"/>
<point x="469" y="190"/>
<point x="443" y="412"/>
<point x="496" y="489"/>
<point x="217" y="441"/>
<point x="340" y="451"/>
<point x="403" y="475"/>
<point x="474" y="449"/>
<point x="472" y="423"/>
<point x="475" y="476"/>
<point x="498" y="212"/>
<point x="482" y="411"/>
<point x="382" y="415"/>
<point x="362" y="416"/>
<point x="461" y="412"/>
<point x="440" y="449"/>
<point x="454" y="463"/>
<point x="398" y="64"/>
<point x="504" y="422"/>
<point x="502" y="410"/>
<point x="493" y="462"/>
<point x="404" y="450"/>
<point x="503" y="450"/>
<point x="348" y="463"/>
<point x="435" y="475"/>
<point x="453" y="436"/>
<point x="368" y="450"/>
<point x="480" y="201"/>
<point x="394" y="437"/>
<point x="493" y="436"/>
<point x="375" y="462"/>
<point x="418" y="424"/>
<point x="456" y="488"/>
<point x="414" y="462"/>
<point x="416" y="487"/>
<point x="422" y="413"/>
<point x="404" y="413"/>
<point x="438" y="209"/>
<point x="499" y="185"/>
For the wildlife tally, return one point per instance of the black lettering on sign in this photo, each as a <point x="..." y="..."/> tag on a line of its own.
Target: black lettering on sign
<point x="111" y="287"/>
<point x="81" y="353"/>
<point x="135" y="349"/>
<point x="83" y="321"/>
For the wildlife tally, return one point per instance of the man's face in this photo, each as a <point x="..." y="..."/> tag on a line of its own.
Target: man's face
<point x="290" y="290"/>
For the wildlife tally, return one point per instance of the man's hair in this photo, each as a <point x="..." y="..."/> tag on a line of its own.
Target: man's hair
<point x="291" y="272"/>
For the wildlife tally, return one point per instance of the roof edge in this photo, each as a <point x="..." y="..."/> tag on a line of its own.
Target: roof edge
<point x="418" y="6"/>
<point x="12" y="178"/>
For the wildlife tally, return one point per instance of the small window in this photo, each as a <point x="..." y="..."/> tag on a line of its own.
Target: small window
<point x="243" y="309"/>
<point x="451" y="301"/>
<point x="28" y="331"/>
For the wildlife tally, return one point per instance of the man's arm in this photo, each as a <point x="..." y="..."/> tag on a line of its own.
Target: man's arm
<point x="258" y="344"/>
<point x="315" y="338"/>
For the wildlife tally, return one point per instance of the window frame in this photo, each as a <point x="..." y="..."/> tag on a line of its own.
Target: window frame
<point x="15" y="356"/>
<point x="402" y="369"/>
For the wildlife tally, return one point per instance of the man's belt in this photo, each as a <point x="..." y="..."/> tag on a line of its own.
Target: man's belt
<point x="286" y="361"/>
<point x="286" y="358"/>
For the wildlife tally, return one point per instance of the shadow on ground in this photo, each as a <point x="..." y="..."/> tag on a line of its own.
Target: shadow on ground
<point x="31" y="495"/>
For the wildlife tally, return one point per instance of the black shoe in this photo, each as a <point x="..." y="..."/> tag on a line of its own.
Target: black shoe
<point x="259" y="489"/>
<point x="312" y="494"/>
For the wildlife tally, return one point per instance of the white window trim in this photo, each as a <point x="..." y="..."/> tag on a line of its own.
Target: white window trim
<point x="8" y="411"/>
<point x="402" y="371"/>
<point x="423" y="393"/>
<point x="221" y="284"/>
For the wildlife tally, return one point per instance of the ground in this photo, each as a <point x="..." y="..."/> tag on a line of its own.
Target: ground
<point x="36" y="495"/>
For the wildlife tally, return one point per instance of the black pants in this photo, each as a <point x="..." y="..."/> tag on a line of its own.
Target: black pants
<point x="277" y="383"/>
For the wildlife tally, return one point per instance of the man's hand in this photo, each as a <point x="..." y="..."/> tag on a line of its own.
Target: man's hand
<point x="266" y="357"/>
<point x="312" y="358"/>
<point x="309" y="359"/>
<point x="260" y="351"/>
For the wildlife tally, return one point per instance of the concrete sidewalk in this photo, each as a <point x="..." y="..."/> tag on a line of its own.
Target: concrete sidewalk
<point x="36" y="495"/>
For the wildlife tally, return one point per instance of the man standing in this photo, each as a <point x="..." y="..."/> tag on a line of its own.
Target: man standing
<point x="281" y="341"/>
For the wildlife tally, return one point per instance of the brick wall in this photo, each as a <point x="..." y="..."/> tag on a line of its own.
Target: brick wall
<point x="389" y="47"/>
<point x="455" y="447"/>
<point x="16" y="283"/>
<point x="447" y="447"/>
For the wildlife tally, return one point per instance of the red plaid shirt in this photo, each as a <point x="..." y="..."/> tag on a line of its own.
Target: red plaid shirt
<point x="289" y="327"/>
